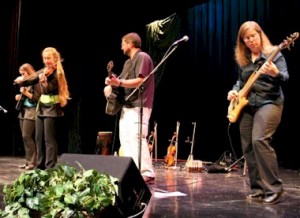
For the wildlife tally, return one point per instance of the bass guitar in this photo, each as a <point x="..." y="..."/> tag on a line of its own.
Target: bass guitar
<point x="236" y="105"/>
<point x="114" y="96"/>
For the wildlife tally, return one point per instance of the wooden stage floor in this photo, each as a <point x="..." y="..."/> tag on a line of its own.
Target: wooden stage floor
<point x="176" y="192"/>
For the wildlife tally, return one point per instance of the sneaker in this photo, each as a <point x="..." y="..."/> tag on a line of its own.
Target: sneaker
<point x="30" y="167"/>
<point x="255" y="197"/>
<point x="23" y="166"/>
<point x="273" y="198"/>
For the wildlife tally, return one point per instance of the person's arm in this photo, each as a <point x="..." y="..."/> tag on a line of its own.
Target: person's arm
<point x="31" y="80"/>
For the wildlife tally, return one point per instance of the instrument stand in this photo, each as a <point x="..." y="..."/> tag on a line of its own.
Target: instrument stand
<point x="229" y="168"/>
<point x="140" y="87"/>
<point x="155" y="143"/>
<point x="2" y="109"/>
<point x="190" y="160"/>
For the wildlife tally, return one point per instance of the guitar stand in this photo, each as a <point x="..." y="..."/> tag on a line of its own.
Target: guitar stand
<point x="189" y="165"/>
<point x="229" y="168"/>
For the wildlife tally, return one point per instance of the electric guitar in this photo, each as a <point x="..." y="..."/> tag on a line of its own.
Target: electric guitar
<point x="236" y="105"/>
<point x="114" y="95"/>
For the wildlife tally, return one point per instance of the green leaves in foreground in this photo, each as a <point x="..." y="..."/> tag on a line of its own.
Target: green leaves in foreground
<point x="60" y="192"/>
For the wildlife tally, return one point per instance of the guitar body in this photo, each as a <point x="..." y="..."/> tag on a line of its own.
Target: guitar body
<point x="114" y="101"/>
<point x="235" y="108"/>
<point x="20" y="102"/>
<point x="114" y="95"/>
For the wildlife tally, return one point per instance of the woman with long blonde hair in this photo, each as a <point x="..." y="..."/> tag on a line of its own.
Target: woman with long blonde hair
<point x="54" y="95"/>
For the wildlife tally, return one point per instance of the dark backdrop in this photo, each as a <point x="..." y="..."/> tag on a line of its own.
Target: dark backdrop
<point x="195" y="78"/>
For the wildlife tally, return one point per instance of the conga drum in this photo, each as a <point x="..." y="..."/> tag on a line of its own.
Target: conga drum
<point x="103" y="141"/>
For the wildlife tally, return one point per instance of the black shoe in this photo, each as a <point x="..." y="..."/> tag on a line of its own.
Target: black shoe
<point x="273" y="198"/>
<point x="255" y="196"/>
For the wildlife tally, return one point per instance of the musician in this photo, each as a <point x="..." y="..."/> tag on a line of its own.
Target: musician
<point x="138" y="66"/>
<point x="260" y="118"/>
<point x="54" y="96"/>
<point x="26" y="104"/>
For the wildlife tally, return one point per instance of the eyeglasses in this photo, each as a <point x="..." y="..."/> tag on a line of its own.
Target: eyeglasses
<point x="250" y="37"/>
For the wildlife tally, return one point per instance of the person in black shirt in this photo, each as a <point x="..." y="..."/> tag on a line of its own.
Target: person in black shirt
<point x="259" y="119"/>
<point x="26" y="104"/>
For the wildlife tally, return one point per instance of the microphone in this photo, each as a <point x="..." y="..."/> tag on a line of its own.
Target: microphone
<point x="183" y="39"/>
<point x="1" y="108"/>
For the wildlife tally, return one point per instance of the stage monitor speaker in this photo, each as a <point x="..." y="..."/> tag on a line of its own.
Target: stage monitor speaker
<point x="133" y="193"/>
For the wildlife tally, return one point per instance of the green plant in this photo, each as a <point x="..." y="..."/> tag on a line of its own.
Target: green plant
<point x="59" y="192"/>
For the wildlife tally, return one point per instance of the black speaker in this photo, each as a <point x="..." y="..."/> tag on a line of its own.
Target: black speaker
<point x="133" y="193"/>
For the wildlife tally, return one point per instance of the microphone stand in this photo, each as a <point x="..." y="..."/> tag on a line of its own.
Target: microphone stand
<point x="2" y="109"/>
<point x="140" y="89"/>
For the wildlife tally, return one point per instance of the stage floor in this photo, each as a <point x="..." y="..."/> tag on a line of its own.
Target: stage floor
<point x="176" y="192"/>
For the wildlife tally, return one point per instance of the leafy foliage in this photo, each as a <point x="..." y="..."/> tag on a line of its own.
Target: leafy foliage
<point x="59" y="192"/>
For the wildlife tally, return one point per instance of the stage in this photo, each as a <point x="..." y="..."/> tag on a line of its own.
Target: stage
<point x="180" y="192"/>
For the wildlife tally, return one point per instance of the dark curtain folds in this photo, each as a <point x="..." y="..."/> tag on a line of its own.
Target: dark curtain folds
<point x="160" y="36"/>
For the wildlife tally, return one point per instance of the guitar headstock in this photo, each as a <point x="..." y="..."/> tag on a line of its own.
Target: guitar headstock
<point x="289" y="41"/>
<point x="109" y="68"/>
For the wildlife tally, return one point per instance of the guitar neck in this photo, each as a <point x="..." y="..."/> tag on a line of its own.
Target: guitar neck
<point x="254" y="76"/>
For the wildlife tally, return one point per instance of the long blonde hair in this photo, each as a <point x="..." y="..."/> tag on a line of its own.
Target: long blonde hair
<point x="241" y="49"/>
<point x="63" y="90"/>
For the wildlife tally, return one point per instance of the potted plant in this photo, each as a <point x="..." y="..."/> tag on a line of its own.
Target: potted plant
<point x="61" y="192"/>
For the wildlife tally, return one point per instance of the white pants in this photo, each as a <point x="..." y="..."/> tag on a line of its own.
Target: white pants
<point x="129" y="138"/>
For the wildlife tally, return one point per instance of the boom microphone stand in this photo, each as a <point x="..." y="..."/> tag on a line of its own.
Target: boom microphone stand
<point x="139" y="88"/>
<point x="2" y="109"/>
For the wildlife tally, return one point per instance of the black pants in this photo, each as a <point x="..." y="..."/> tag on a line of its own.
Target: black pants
<point x="46" y="142"/>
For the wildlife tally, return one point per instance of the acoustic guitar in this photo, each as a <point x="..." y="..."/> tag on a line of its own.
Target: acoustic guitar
<point x="114" y="95"/>
<point x="20" y="102"/>
<point x="236" y="105"/>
